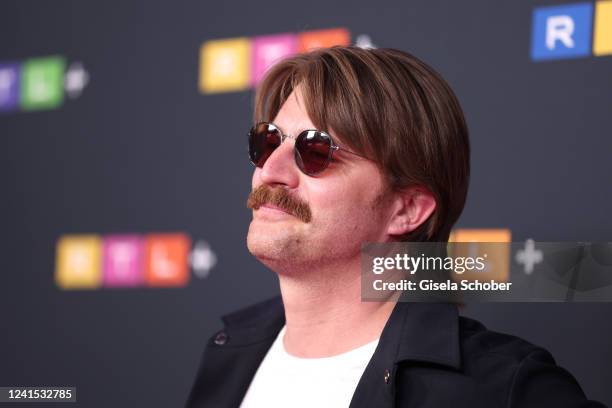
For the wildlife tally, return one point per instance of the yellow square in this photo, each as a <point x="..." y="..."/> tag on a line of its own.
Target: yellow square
<point x="486" y="241"/>
<point x="78" y="263"/>
<point x="225" y="65"/>
<point x="602" y="32"/>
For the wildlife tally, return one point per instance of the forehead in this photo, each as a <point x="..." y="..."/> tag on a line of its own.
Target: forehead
<point x="292" y="116"/>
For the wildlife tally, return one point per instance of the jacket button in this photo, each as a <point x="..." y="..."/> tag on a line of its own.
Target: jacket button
<point x="221" y="338"/>
<point x="387" y="376"/>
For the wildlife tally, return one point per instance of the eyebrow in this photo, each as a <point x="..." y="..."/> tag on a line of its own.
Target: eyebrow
<point x="300" y="130"/>
<point x="304" y="129"/>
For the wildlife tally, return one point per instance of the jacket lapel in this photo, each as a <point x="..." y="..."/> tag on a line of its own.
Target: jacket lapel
<point x="233" y="355"/>
<point x="414" y="333"/>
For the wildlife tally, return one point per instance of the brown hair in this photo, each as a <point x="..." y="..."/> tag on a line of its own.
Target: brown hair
<point x="389" y="106"/>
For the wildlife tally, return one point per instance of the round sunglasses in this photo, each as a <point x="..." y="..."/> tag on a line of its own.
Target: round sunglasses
<point x="313" y="149"/>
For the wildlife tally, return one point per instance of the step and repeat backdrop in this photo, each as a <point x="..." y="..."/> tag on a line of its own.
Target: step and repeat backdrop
<point x="125" y="172"/>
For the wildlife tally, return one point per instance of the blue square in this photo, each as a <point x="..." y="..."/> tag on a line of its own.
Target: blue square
<point x="9" y="86"/>
<point x="560" y="32"/>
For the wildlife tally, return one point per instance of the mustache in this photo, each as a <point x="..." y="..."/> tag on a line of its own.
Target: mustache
<point x="279" y="197"/>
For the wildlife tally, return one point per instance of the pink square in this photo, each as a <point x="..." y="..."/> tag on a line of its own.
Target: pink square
<point x="270" y="49"/>
<point x="123" y="260"/>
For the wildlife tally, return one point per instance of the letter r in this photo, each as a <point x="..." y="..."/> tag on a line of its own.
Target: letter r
<point x="560" y="32"/>
<point x="559" y="28"/>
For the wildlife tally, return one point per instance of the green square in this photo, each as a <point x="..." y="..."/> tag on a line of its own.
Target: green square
<point x="42" y="83"/>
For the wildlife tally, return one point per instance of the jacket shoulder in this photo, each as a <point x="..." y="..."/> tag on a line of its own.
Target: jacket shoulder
<point x="528" y="374"/>
<point x="476" y="339"/>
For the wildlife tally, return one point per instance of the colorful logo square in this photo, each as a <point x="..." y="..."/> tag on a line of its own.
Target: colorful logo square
<point x="311" y="40"/>
<point x="485" y="241"/>
<point x="166" y="259"/>
<point x="602" y="34"/>
<point x="225" y="65"/>
<point x="561" y="31"/>
<point x="268" y="50"/>
<point x="123" y="260"/>
<point x="9" y="87"/>
<point x="42" y="83"/>
<point x="78" y="262"/>
<point x="481" y="235"/>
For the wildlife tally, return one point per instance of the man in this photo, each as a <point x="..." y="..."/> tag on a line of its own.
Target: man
<point x="354" y="146"/>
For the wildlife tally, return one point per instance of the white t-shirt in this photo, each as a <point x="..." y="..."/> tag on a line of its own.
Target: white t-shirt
<point x="283" y="380"/>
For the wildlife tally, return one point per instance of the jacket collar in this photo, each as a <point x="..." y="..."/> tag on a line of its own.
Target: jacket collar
<point x="421" y="332"/>
<point x="414" y="333"/>
<point x="427" y="332"/>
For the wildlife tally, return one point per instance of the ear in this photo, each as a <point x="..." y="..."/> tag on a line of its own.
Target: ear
<point x="412" y="207"/>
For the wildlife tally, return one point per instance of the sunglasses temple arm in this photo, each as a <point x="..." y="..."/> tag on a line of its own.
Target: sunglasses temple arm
<point x="348" y="151"/>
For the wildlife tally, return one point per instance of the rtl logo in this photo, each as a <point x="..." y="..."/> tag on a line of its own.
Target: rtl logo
<point x="561" y="32"/>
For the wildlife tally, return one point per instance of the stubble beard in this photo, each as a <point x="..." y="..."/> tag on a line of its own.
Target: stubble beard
<point x="288" y="246"/>
<point x="278" y="244"/>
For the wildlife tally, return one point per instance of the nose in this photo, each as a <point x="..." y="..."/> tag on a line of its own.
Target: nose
<point x="280" y="168"/>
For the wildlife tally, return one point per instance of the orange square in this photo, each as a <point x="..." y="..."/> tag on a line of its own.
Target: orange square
<point x="166" y="257"/>
<point x="481" y="235"/>
<point x="311" y="40"/>
<point x="495" y="243"/>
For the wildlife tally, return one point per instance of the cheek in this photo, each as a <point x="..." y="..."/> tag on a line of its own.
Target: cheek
<point x="347" y="204"/>
<point x="343" y="190"/>
<point x="340" y="203"/>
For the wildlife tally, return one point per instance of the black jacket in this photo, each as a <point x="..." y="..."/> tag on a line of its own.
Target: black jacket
<point x="427" y="356"/>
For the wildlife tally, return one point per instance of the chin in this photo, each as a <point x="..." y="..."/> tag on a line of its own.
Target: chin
<point x="261" y="246"/>
<point x="276" y="253"/>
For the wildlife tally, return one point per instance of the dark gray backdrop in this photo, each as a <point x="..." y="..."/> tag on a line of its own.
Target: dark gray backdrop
<point x="133" y="154"/>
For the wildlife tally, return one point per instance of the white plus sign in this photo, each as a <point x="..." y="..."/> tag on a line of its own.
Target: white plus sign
<point x="529" y="256"/>
<point x="76" y="79"/>
<point x="364" y="41"/>
<point x="202" y="259"/>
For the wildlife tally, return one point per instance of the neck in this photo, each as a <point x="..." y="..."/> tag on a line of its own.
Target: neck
<point x="324" y="312"/>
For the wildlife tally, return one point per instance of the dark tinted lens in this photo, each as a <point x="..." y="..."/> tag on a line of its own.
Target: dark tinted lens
<point x="312" y="151"/>
<point x="264" y="138"/>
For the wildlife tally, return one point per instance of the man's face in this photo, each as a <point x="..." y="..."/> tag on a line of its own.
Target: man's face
<point x="329" y="216"/>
